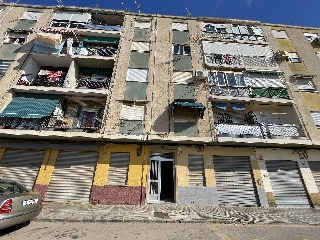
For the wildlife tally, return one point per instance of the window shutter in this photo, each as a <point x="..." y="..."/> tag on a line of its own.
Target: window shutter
<point x="196" y="171"/>
<point x="211" y="47"/>
<point x="139" y="60"/>
<point x="180" y="26"/>
<point x="145" y="25"/>
<point x="140" y="46"/>
<point x="182" y="77"/>
<point x="247" y="50"/>
<point x="229" y="48"/>
<point x="80" y="17"/>
<point x="274" y="80"/>
<point x="136" y="91"/>
<point x="316" y="118"/>
<point x="255" y="80"/>
<point x="243" y="30"/>
<point x="263" y="50"/>
<point x="279" y="34"/>
<point x="137" y="75"/>
<point x="180" y="37"/>
<point x="132" y="112"/>
<point x="62" y="16"/>
<point x="118" y="169"/>
<point x="33" y="16"/>
<point x="4" y="66"/>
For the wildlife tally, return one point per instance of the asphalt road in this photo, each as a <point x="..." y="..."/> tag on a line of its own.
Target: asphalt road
<point x="163" y="231"/>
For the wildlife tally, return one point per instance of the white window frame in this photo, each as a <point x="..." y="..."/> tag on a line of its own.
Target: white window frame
<point x="182" y="49"/>
<point x="311" y="36"/>
<point x="309" y="86"/>
<point x="315" y="114"/>
<point x="293" y="57"/>
<point x="226" y="81"/>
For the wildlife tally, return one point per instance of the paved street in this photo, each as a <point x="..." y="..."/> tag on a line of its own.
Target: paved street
<point x="147" y="231"/>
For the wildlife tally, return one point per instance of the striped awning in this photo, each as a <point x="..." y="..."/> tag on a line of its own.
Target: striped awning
<point x="28" y="105"/>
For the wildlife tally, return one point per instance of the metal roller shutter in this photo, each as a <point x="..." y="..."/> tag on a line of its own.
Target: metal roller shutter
<point x="315" y="169"/>
<point x="180" y="26"/>
<point x="21" y="165"/>
<point x="235" y="185"/>
<point x="182" y="77"/>
<point x="72" y="177"/>
<point x="146" y="25"/>
<point x="140" y="46"/>
<point x="211" y="47"/>
<point x="247" y="50"/>
<point x="118" y="169"/>
<point x="286" y="183"/>
<point x="132" y="112"/>
<point x="137" y="75"/>
<point x="196" y="171"/>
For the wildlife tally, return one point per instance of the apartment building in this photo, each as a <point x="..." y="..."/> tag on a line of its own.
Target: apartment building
<point x="111" y="107"/>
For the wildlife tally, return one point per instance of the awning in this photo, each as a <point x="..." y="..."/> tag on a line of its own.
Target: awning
<point x="102" y="40"/>
<point x="28" y="105"/>
<point x="304" y="76"/>
<point x="198" y="106"/>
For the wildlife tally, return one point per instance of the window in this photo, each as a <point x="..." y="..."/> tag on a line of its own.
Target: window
<point x="311" y="36"/>
<point x="209" y="28"/>
<point x="293" y="57"/>
<point x="248" y="33"/>
<point x="181" y="49"/>
<point x="15" y="38"/>
<point x="215" y="28"/>
<point x="316" y="118"/>
<point x="227" y="79"/>
<point x="70" y="20"/>
<point x="305" y="85"/>
<point x="89" y="118"/>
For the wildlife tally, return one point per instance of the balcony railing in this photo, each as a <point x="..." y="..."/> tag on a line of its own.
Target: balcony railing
<point x="282" y="131"/>
<point x="103" y="51"/>
<point x="42" y="80"/>
<point x="93" y="83"/>
<point x="249" y="92"/>
<point x="270" y="93"/>
<point x="230" y="91"/>
<point x="231" y="36"/>
<point x="220" y="59"/>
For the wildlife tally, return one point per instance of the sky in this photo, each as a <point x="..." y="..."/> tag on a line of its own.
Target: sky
<point x="289" y="12"/>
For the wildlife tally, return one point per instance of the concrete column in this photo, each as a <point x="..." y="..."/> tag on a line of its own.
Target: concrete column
<point x="266" y="184"/>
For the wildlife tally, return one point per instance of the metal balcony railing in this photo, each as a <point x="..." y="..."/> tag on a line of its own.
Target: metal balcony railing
<point x="42" y="80"/>
<point x="230" y="91"/>
<point x="93" y="83"/>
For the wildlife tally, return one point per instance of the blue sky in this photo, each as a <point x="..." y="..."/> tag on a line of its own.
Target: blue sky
<point x="291" y="12"/>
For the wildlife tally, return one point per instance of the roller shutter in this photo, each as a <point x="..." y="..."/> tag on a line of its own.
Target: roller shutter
<point x="180" y="26"/>
<point x="235" y="185"/>
<point x="21" y="165"/>
<point x="72" y="177"/>
<point x="118" y="169"/>
<point x="196" y="171"/>
<point x="287" y="186"/>
<point x="315" y="169"/>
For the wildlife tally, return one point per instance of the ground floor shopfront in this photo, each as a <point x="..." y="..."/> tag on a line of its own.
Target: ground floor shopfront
<point x="109" y="173"/>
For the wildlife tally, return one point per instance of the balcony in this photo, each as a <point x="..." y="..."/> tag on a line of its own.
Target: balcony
<point x="47" y="77"/>
<point x="94" y="82"/>
<point x="270" y="93"/>
<point x="222" y="36"/>
<point x="231" y="91"/>
<point x="263" y="131"/>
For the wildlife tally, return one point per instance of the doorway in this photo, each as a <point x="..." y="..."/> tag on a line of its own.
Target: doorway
<point x="161" y="180"/>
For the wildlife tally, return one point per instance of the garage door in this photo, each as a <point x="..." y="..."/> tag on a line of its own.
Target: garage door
<point x="287" y="186"/>
<point x="315" y="169"/>
<point x="234" y="179"/>
<point x="72" y="177"/>
<point x="21" y="165"/>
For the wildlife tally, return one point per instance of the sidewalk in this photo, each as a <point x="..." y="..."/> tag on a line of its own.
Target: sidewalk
<point x="176" y="213"/>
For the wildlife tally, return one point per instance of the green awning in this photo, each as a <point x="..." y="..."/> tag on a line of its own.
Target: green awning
<point x="28" y="105"/>
<point x="198" y="106"/>
<point x="102" y="40"/>
<point x="304" y="76"/>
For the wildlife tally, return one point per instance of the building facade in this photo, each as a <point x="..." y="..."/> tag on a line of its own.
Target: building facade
<point x="110" y="107"/>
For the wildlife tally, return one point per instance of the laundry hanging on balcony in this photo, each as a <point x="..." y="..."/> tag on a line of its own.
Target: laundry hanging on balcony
<point x="28" y="105"/>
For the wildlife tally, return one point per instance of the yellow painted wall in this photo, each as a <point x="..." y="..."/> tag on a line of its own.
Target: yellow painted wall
<point x="2" y="151"/>
<point x="278" y="28"/>
<point x="47" y="167"/>
<point x="137" y="164"/>
<point x="312" y="100"/>
<point x="297" y="68"/>
<point x="286" y="45"/>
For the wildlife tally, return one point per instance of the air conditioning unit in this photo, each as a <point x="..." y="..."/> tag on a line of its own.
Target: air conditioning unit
<point x="201" y="74"/>
<point x="281" y="55"/>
